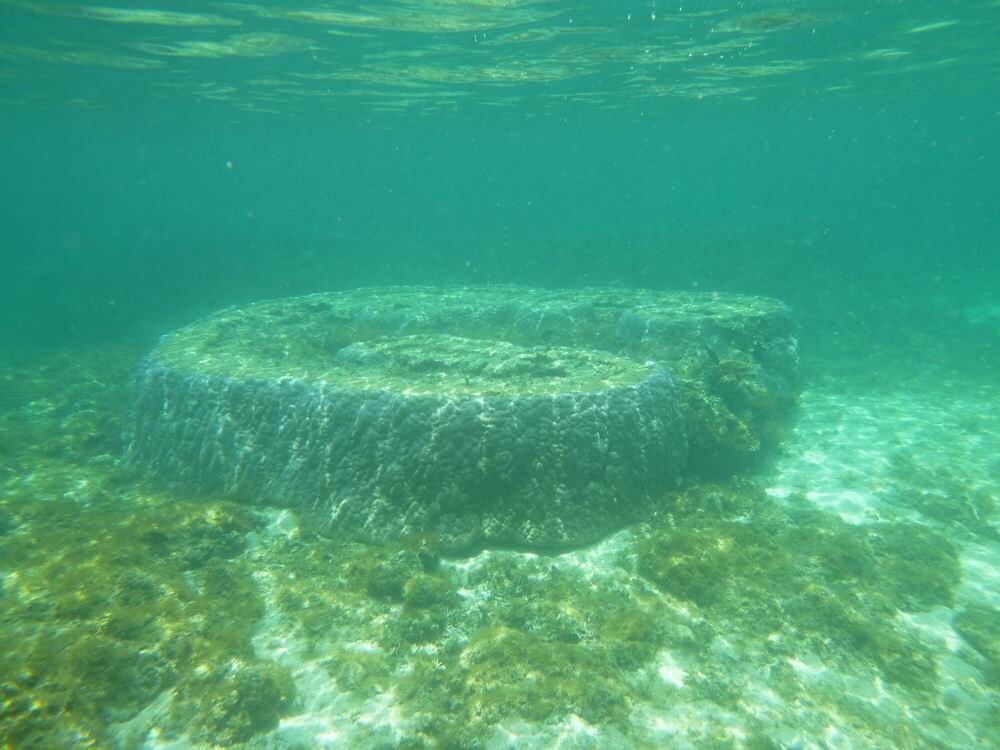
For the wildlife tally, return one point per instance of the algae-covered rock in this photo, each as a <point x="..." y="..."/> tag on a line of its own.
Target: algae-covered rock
<point x="979" y="626"/>
<point x="231" y="705"/>
<point x="836" y="586"/>
<point x="486" y="415"/>
<point x="109" y="609"/>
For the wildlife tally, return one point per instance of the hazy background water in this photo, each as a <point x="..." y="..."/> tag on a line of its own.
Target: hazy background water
<point x="162" y="163"/>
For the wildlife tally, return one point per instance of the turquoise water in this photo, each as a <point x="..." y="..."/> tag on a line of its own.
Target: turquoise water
<point x="165" y="161"/>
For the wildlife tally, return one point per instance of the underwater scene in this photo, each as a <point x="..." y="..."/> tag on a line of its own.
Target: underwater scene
<point x="495" y="374"/>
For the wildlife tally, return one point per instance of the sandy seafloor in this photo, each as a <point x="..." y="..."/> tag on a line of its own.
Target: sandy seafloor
<point x="848" y="596"/>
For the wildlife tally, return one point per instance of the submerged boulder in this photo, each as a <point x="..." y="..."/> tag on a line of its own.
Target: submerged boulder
<point x="486" y="415"/>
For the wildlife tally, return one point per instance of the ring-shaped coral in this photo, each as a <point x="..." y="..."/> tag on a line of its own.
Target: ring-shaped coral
<point x="483" y="415"/>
